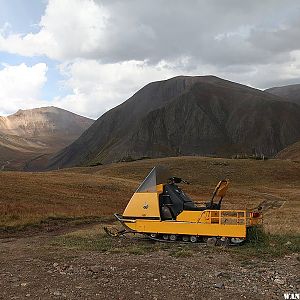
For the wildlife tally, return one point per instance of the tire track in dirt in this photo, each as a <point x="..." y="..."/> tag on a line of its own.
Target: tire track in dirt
<point x="51" y="228"/>
<point x="271" y="202"/>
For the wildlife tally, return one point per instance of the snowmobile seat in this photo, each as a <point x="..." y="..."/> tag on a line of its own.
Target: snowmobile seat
<point x="178" y="200"/>
<point x="194" y="208"/>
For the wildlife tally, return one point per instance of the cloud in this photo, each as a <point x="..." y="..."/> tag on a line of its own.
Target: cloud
<point x="20" y="87"/>
<point x="96" y="87"/>
<point x="226" y="33"/>
<point x="93" y="87"/>
<point x="108" y="49"/>
<point x="68" y="29"/>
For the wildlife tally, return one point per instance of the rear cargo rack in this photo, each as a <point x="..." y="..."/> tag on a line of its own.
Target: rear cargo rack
<point x="230" y="217"/>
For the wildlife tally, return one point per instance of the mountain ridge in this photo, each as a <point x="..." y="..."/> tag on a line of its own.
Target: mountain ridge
<point x="150" y="123"/>
<point x="34" y="132"/>
<point x="289" y="92"/>
<point x="36" y="121"/>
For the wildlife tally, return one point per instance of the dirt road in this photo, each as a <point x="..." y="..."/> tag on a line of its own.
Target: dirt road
<point x="38" y="267"/>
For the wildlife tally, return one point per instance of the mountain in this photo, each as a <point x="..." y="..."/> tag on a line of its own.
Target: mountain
<point x="28" y="134"/>
<point x="291" y="152"/>
<point x="202" y="115"/>
<point x="289" y="93"/>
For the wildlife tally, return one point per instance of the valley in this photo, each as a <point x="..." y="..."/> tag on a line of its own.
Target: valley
<point x="149" y="150"/>
<point x="80" y="172"/>
<point x="53" y="246"/>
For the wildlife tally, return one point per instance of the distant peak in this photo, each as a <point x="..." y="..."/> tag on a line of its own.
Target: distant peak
<point x="42" y="110"/>
<point x="37" y="109"/>
<point x="296" y="85"/>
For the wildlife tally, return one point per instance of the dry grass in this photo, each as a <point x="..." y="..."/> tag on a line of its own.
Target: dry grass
<point x="32" y="197"/>
<point x="100" y="191"/>
<point x="259" y="244"/>
<point x="95" y="239"/>
<point x="291" y="152"/>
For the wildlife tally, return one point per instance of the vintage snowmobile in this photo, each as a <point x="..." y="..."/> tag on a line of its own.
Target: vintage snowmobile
<point x="162" y="211"/>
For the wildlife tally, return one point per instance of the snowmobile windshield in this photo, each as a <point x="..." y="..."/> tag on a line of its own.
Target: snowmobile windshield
<point x="158" y="175"/>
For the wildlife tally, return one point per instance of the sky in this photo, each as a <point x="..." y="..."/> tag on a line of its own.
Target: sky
<point x="88" y="56"/>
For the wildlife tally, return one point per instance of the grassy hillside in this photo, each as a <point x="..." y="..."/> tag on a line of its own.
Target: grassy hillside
<point x="28" y="198"/>
<point x="291" y="152"/>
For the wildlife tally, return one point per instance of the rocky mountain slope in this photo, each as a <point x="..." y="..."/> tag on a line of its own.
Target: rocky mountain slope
<point x="202" y="115"/>
<point x="291" y="152"/>
<point x="31" y="133"/>
<point x="288" y="92"/>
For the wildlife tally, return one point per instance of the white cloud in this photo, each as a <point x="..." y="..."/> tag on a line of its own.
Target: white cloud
<point x="108" y="49"/>
<point x="68" y="29"/>
<point x="94" y="88"/>
<point x="20" y="87"/>
<point x="98" y="87"/>
<point x="115" y="31"/>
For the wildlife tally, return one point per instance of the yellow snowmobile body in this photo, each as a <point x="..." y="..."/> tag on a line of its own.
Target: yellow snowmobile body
<point x="160" y="209"/>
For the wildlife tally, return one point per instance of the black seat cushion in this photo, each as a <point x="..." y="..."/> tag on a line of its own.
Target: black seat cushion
<point x="192" y="207"/>
<point x="177" y="200"/>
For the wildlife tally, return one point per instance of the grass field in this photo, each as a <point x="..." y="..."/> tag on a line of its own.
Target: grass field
<point x="30" y="198"/>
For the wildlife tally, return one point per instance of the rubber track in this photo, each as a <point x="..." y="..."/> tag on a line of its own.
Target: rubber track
<point x="182" y="242"/>
<point x="147" y="237"/>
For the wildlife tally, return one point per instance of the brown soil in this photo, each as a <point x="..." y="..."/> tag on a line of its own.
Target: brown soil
<point x="41" y="268"/>
<point x="50" y="250"/>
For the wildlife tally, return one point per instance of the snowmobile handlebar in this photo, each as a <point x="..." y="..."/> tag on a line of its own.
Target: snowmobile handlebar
<point x="178" y="180"/>
<point x="185" y="181"/>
